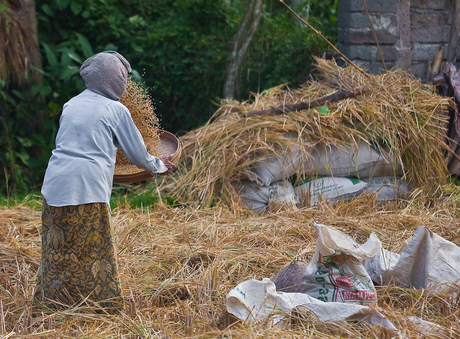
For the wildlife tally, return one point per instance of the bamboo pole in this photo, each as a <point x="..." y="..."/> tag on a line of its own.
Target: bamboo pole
<point x="375" y="36"/>
<point x="307" y="105"/>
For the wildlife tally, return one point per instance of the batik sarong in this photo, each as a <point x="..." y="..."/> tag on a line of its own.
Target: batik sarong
<point x="78" y="259"/>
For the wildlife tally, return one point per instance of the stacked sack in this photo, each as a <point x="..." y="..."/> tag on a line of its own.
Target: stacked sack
<point x="330" y="173"/>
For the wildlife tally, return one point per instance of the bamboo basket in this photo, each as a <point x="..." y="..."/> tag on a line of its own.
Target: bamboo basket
<point x="169" y="147"/>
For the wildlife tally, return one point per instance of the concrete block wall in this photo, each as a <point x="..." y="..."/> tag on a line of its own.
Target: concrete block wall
<point x="410" y="32"/>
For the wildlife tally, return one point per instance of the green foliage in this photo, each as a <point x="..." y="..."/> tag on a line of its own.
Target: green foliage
<point x="181" y="49"/>
<point x="29" y="115"/>
<point x="323" y="15"/>
<point x="282" y="49"/>
<point x="22" y="138"/>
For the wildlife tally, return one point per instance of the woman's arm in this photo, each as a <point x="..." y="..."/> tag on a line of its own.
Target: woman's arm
<point x="132" y="144"/>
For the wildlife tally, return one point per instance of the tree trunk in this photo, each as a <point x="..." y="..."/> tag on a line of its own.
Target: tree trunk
<point x="240" y="46"/>
<point x="28" y="18"/>
<point x="19" y="41"/>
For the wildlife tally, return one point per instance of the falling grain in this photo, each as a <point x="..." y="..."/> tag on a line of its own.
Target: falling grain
<point x="139" y="103"/>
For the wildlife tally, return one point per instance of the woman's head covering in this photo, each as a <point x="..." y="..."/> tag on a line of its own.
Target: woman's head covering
<point x="106" y="73"/>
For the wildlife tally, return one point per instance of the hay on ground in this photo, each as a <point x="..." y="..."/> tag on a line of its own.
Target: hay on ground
<point x="178" y="264"/>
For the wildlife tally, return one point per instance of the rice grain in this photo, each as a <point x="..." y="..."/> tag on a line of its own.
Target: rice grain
<point x="139" y="103"/>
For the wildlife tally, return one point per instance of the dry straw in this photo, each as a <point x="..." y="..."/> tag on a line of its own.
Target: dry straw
<point x="139" y="103"/>
<point x="406" y="118"/>
<point x="177" y="266"/>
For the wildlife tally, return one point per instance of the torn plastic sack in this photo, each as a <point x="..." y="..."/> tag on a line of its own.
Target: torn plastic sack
<point x="387" y="188"/>
<point x="283" y="192"/>
<point x="428" y="261"/>
<point x="258" y="302"/>
<point x="258" y="197"/>
<point x="328" y="188"/>
<point x="359" y="160"/>
<point x="336" y="272"/>
<point x="429" y="328"/>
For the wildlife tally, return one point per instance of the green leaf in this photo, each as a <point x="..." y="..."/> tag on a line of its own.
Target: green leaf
<point x="68" y="72"/>
<point x="39" y="70"/>
<point x="76" y="7"/>
<point x="7" y="293"/>
<point x="65" y="60"/>
<point x="324" y="110"/>
<point x="10" y="99"/>
<point x="85" y="46"/>
<point x="50" y="56"/>
<point x="62" y="4"/>
<point x="47" y="10"/>
<point x="55" y="108"/>
<point x="69" y="54"/>
<point x="39" y="139"/>
<point x="134" y="19"/>
<point x="74" y="56"/>
<point x="110" y="47"/>
<point x="135" y="75"/>
<point x="18" y="94"/>
<point x="45" y="90"/>
<point x="24" y="157"/>
<point x="25" y="142"/>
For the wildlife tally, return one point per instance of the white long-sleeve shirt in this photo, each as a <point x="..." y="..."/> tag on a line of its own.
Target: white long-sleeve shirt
<point x="80" y="170"/>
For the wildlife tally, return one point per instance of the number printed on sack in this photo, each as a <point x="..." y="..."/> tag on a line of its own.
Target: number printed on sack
<point x="323" y="291"/>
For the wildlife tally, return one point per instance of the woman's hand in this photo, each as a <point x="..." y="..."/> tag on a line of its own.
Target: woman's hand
<point x="171" y="167"/>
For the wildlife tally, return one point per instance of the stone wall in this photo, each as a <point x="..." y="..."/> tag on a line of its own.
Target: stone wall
<point x="410" y="32"/>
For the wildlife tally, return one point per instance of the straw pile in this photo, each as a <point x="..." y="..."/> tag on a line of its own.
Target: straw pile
<point x="397" y="111"/>
<point x="139" y="103"/>
<point x="178" y="264"/>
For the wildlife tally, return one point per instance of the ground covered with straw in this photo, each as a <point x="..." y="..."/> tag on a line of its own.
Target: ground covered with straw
<point x="177" y="265"/>
<point x="178" y="262"/>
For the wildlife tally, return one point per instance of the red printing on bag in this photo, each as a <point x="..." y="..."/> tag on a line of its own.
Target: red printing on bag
<point x="359" y="295"/>
<point x="345" y="281"/>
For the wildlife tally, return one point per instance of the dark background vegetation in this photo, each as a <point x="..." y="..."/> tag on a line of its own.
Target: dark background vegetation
<point x="178" y="48"/>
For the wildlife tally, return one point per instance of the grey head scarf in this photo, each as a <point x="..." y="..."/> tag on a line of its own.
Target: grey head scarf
<point x="106" y="73"/>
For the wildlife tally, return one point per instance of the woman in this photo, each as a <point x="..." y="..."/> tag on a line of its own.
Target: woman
<point x="78" y="255"/>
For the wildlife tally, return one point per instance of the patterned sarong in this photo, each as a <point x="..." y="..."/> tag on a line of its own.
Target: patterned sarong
<point x="78" y="257"/>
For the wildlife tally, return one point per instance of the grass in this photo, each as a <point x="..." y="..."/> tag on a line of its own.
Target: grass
<point x="177" y="265"/>
<point x="32" y="200"/>
<point x="139" y="195"/>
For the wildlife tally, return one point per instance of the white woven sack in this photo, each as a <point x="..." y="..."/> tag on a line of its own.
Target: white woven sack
<point x="361" y="161"/>
<point x="330" y="188"/>
<point x="387" y="188"/>
<point x="258" y="197"/>
<point x="336" y="272"/>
